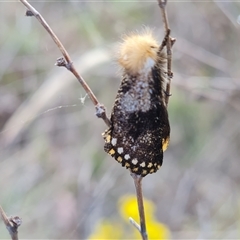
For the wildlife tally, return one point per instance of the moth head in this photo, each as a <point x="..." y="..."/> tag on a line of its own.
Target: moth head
<point x="138" y="52"/>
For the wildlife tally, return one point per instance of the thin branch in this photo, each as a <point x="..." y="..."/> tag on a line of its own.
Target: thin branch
<point x="11" y="223"/>
<point x="168" y="41"/>
<point x="135" y="224"/>
<point x="138" y="186"/>
<point x="67" y="62"/>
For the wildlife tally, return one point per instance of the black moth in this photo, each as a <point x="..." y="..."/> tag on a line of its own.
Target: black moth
<point x="139" y="131"/>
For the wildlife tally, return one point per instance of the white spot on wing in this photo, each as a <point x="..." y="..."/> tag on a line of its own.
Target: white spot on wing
<point x="143" y="164"/>
<point x="127" y="156"/>
<point x="134" y="161"/>
<point x="114" y="141"/>
<point x="120" y="150"/>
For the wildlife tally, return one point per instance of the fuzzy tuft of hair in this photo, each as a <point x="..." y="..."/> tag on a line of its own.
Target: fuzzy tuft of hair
<point x="137" y="51"/>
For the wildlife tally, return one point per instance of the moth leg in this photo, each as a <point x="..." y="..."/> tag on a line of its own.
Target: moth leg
<point x="164" y="41"/>
<point x="167" y="94"/>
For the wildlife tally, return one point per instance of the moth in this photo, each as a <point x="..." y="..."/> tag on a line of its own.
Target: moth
<point x="140" y="130"/>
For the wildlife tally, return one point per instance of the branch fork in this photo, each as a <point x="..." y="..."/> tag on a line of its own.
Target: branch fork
<point x="66" y="61"/>
<point x="11" y="223"/>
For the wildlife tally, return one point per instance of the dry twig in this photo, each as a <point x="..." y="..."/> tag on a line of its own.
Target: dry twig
<point x="67" y="62"/>
<point x="168" y="42"/>
<point x="142" y="227"/>
<point x="11" y="223"/>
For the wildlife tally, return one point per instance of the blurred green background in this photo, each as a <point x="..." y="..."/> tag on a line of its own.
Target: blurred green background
<point x="53" y="170"/>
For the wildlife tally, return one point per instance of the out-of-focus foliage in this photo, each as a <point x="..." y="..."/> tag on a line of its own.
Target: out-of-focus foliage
<point x="53" y="170"/>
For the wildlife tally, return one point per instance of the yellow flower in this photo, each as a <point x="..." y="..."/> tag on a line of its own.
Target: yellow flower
<point x="107" y="230"/>
<point x="157" y="230"/>
<point x="128" y="207"/>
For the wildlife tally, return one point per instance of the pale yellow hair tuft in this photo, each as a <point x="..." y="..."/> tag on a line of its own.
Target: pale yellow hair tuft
<point x="135" y="50"/>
